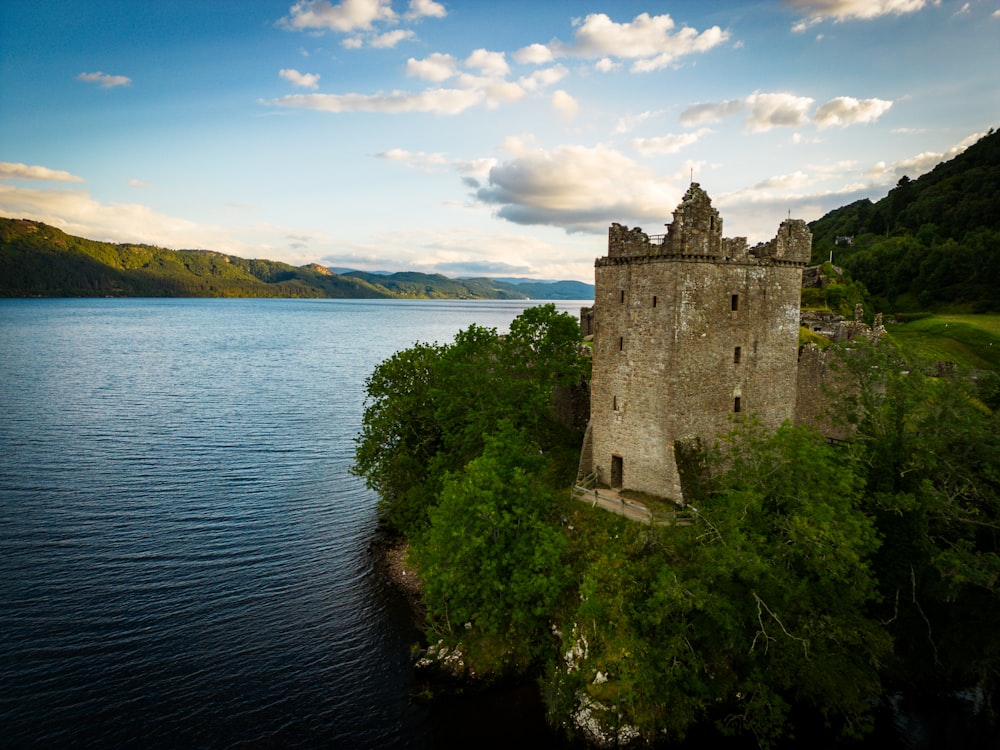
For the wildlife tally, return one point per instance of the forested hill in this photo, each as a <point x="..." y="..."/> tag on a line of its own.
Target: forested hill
<point x="38" y="260"/>
<point x="931" y="243"/>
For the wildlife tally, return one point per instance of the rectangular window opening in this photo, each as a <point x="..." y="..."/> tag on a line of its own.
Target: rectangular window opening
<point x="621" y="343"/>
<point x="614" y="403"/>
<point x="654" y="300"/>
<point x="623" y="296"/>
<point x="737" y="354"/>
<point x="735" y="302"/>
<point x="736" y="404"/>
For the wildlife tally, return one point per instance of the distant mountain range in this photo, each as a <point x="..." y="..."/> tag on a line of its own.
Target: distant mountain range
<point x="38" y="260"/>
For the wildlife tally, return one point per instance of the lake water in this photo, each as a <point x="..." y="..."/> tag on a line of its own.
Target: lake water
<point x="183" y="554"/>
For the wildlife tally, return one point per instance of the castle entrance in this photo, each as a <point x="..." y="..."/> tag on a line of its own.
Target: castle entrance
<point x="616" y="472"/>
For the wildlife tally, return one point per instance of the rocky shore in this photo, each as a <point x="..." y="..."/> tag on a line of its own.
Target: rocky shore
<point x="389" y="557"/>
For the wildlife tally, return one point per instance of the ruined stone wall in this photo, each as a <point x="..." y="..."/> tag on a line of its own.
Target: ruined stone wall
<point x="817" y="380"/>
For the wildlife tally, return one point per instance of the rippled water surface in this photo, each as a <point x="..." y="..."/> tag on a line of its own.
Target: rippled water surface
<point x="182" y="550"/>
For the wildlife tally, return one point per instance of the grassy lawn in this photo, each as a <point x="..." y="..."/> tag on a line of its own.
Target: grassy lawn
<point x="967" y="340"/>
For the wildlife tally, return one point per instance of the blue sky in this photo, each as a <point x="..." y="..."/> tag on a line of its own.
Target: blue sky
<point x="471" y="137"/>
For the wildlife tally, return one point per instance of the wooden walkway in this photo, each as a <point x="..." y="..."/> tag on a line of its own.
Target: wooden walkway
<point x="611" y="501"/>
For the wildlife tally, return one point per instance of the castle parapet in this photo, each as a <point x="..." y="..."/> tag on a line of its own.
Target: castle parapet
<point x="793" y="243"/>
<point x="628" y="243"/>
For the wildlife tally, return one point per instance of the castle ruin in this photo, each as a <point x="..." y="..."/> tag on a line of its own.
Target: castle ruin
<point x="690" y="328"/>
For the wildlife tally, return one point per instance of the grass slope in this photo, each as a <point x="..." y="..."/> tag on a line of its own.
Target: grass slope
<point x="968" y="340"/>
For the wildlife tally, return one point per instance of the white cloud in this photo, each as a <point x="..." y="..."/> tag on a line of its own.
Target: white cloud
<point x="542" y="78"/>
<point x="437" y="67"/>
<point x="346" y="16"/>
<point x="420" y="160"/>
<point x="476" y="168"/>
<point x="577" y="188"/>
<point x="846" y="110"/>
<point x="708" y="112"/>
<point x="76" y="212"/>
<point x="437" y="101"/>
<point x="564" y="104"/>
<point x="914" y="166"/>
<point x="490" y="88"/>
<point x="784" y="182"/>
<point x="16" y="171"/>
<point x="765" y="111"/>
<point x="667" y="144"/>
<point x="494" y="91"/>
<point x="138" y="184"/>
<point x="776" y="110"/>
<point x="303" y="80"/>
<point x="489" y="63"/>
<point x="533" y="54"/>
<point x="843" y="10"/>
<point x="390" y="38"/>
<point x="628" y="123"/>
<point x="426" y="8"/>
<point x="105" y="80"/>
<point x="606" y="65"/>
<point x="648" y="40"/>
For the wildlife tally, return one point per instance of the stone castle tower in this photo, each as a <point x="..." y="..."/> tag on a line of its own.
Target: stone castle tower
<point x="690" y="328"/>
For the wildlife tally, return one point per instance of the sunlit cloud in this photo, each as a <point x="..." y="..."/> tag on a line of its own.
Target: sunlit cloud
<point x="436" y="67"/>
<point x="533" y="54"/>
<point x="426" y="9"/>
<point x="914" y="166"/>
<point x="421" y="160"/>
<point x="16" y="171"/>
<point x="629" y="122"/>
<point x="437" y="101"/>
<point x="667" y="144"/>
<point x="765" y="111"/>
<point x="651" y="42"/>
<point x="104" y="80"/>
<point x="846" y="110"/>
<point x="488" y="63"/>
<point x="390" y="38"/>
<point x="349" y="15"/>
<point x="818" y="11"/>
<point x="577" y="188"/>
<point x="302" y="80"/>
<point x="564" y="104"/>
<point x="544" y="77"/>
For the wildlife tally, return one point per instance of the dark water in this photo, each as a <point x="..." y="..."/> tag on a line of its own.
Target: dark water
<point x="183" y="554"/>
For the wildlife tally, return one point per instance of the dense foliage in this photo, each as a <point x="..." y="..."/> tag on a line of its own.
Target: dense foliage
<point x="37" y="260"/>
<point x="431" y="407"/>
<point x="805" y="582"/>
<point x="931" y="241"/>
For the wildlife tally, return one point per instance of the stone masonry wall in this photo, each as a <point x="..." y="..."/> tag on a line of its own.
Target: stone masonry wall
<point x="687" y="337"/>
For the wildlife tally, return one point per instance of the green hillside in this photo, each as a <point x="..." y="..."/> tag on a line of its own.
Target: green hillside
<point x="932" y="243"/>
<point x="37" y="260"/>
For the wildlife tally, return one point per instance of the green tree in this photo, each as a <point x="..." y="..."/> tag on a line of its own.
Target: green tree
<point x="400" y="435"/>
<point x="757" y="606"/>
<point x="929" y="451"/>
<point x="490" y="562"/>
<point x="429" y="408"/>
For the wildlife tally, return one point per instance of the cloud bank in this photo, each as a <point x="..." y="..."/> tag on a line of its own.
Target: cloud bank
<point x="764" y="111"/>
